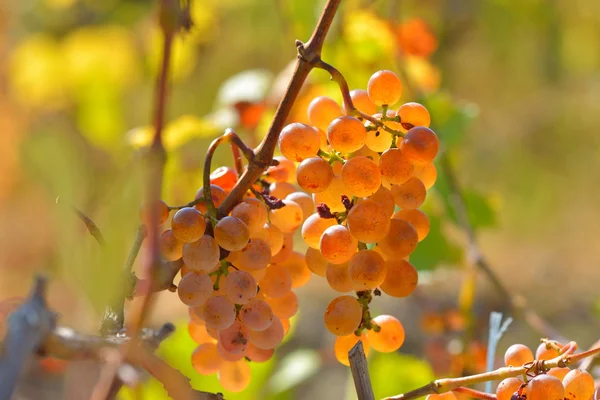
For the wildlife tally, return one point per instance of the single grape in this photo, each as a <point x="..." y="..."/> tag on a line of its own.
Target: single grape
<point x="188" y="224"/>
<point x="286" y="249"/>
<point x="298" y="141"/>
<point x="252" y="212"/>
<point x="217" y="195"/>
<point x="276" y="282"/>
<point x="401" y="279"/>
<point x="288" y="218"/>
<point x="202" y="255"/>
<point x="255" y="256"/>
<point x="271" y="235"/>
<point x="171" y="248"/>
<point x="578" y="384"/>
<point x="362" y="102"/>
<point x="517" y="355"/>
<point x="390" y="336"/>
<point x="239" y="287"/>
<point x="224" y="177"/>
<point x="559" y="372"/>
<point x="544" y="352"/>
<point x="361" y="176"/>
<point x="234" y="339"/>
<point x="427" y="173"/>
<point x="441" y="396"/>
<point x="234" y="376"/>
<point x="343" y="315"/>
<point x="417" y="218"/>
<point x="218" y="312"/>
<point x="295" y="264"/>
<point x="227" y="356"/>
<point x="194" y="289"/>
<point x="255" y="354"/>
<point x="285" y="171"/>
<point x="346" y="134"/>
<point x="159" y="207"/>
<point x="507" y="388"/>
<point x="322" y="110"/>
<point x="313" y="228"/>
<point x="400" y="241"/>
<point x="198" y="333"/>
<point x="284" y="307"/>
<point x="256" y="315"/>
<point x="286" y="326"/>
<point x="420" y="145"/>
<point x="315" y="261"/>
<point x="305" y="201"/>
<point x="410" y="194"/>
<point x="414" y="114"/>
<point x="384" y="198"/>
<point x="338" y="277"/>
<point x="282" y="189"/>
<point x="368" y="221"/>
<point x="337" y="244"/>
<point x="544" y="387"/>
<point x="270" y="337"/>
<point x="384" y="88"/>
<point x="396" y="168"/>
<point x="231" y="233"/>
<point x="314" y="174"/>
<point x="333" y="194"/>
<point x="205" y="359"/>
<point x="367" y="269"/>
<point x="343" y="344"/>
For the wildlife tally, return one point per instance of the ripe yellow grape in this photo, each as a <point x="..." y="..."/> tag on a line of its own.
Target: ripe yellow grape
<point x="256" y="315"/>
<point x="217" y="195"/>
<point x="390" y="336"/>
<point x="383" y="196"/>
<point x="255" y="256"/>
<point x="252" y="212"/>
<point x="343" y="344"/>
<point x="441" y="396"/>
<point x="559" y="372"/>
<point x="271" y="235"/>
<point x="400" y="241"/>
<point x="324" y="143"/>
<point x="315" y="261"/>
<point x="338" y="277"/>
<point x="396" y="168"/>
<point x="337" y="244"/>
<point x="205" y="359"/>
<point x="346" y="134"/>
<point x="367" y="269"/>
<point x="224" y="177"/>
<point x="361" y="176"/>
<point x="284" y="307"/>
<point x="188" y="224"/>
<point x="298" y="141"/>
<point x="313" y="229"/>
<point x="305" y="201"/>
<point x="270" y="337"/>
<point x="281" y="189"/>
<point x="368" y="221"/>
<point x="414" y="114"/>
<point x="410" y="194"/>
<point x="234" y="339"/>
<point x="234" y="376"/>
<point x="276" y="282"/>
<point x="417" y="218"/>
<point x="343" y="315"/>
<point x="296" y="266"/>
<point x="286" y="326"/>
<point x="332" y="195"/>
<point x="159" y="207"/>
<point x="322" y="110"/>
<point x="202" y="255"/>
<point x="227" y="356"/>
<point x="286" y="249"/>
<point x="231" y="233"/>
<point x="578" y="385"/>
<point x="258" y="274"/>
<point x="378" y="140"/>
<point x="545" y="353"/>
<point x="255" y="354"/>
<point x="285" y="171"/>
<point x="171" y="248"/>
<point x="288" y="218"/>
<point x="384" y="88"/>
<point x="364" y="152"/>
<point x="194" y="289"/>
<point x="362" y="102"/>
<point x="198" y="333"/>
<point x="218" y="312"/>
<point x="544" y="387"/>
<point x="420" y="145"/>
<point x="401" y="279"/>
<point x="314" y="174"/>
<point x="507" y="388"/>
<point x="427" y="173"/>
<point x="517" y="355"/>
<point x="239" y="287"/>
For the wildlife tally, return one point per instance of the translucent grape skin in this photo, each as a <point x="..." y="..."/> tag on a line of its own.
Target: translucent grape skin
<point x="256" y="315"/>
<point x="332" y="195"/>
<point x="507" y="387"/>
<point x="305" y="201"/>
<point x="284" y="307"/>
<point x="578" y="384"/>
<point x="314" y="174"/>
<point x="395" y="166"/>
<point x="234" y="339"/>
<point x="298" y="141"/>
<point x="205" y="359"/>
<point x="400" y="241"/>
<point x="367" y="269"/>
<point x="235" y="376"/>
<point x="384" y="88"/>
<point x="276" y="282"/>
<point x="231" y="233"/>
<point x="281" y="189"/>
<point x="288" y="218"/>
<point x="217" y="194"/>
<point x="283" y="172"/>
<point x="239" y="287"/>
<point x="218" y="312"/>
<point x="346" y="134"/>
<point x="296" y="266"/>
<point x="409" y="195"/>
<point x="368" y="221"/>
<point x="313" y="227"/>
<point x="559" y="372"/>
<point x="390" y="336"/>
<point x="441" y="396"/>
<point x="202" y="255"/>
<point x="343" y="315"/>
<point x="361" y="176"/>
<point x="322" y="110"/>
<point x="362" y="102"/>
<point x="315" y="261"/>
<point x="401" y="278"/>
<point x="544" y="387"/>
<point x="194" y="289"/>
<point x="252" y="212"/>
<point x="224" y="177"/>
<point x="272" y="236"/>
<point x="188" y="224"/>
<point x="198" y="332"/>
<point x="160" y="208"/>
<point x="286" y="249"/>
<point x="338" y="277"/>
<point x="337" y="244"/>
<point x="256" y="255"/>
<point x="417" y="218"/>
<point x="343" y="344"/>
<point x="420" y="145"/>
<point x="414" y="114"/>
<point x="544" y="352"/>
<point x="385" y="199"/>
<point x="270" y="337"/>
<point x="255" y="354"/>
<point x="171" y="248"/>
<point x="517" y="355"/>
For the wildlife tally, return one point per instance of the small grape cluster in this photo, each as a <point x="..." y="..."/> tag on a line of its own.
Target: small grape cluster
<point x="362" y="179"/>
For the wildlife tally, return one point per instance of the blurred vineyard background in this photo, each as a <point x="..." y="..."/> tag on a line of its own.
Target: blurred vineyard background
<point x="513" y="89"/>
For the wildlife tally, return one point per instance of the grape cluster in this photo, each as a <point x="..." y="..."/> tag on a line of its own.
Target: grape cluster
<point x="362" y="179"/>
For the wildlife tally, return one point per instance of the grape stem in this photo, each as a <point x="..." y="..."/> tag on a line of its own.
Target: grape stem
<point x="536" y="367"/>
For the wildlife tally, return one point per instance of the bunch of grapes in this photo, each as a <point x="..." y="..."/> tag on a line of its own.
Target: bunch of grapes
<point x="362" y="179"/>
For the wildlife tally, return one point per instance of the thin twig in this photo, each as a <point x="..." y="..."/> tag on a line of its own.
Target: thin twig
<point x="360" y="372"/>
<point x="91" y="227"/>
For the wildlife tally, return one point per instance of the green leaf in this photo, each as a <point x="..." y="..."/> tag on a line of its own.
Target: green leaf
<point x="435" y="248"/>
<point x="293" y="369"/>
<point x="451" y="119"/>
<point x="395" y="373"/>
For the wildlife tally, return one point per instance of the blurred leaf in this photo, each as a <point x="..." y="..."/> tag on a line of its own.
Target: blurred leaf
<point x="395" y="373"/>
<point x="435" y="248"/>
<point x="293" y="369"/>
<point x="370" y="38"/>
<point x="451" y="119"/>
<point x="251" y="85"/>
